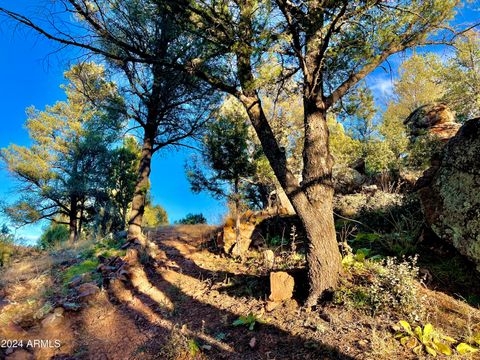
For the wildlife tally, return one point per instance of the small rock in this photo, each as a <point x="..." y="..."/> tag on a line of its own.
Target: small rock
<point x="87" y="290"/>
<point x="281" y="286"/>
<point x="52" y="320"/>
<point x="268" y="258"/>
<point x="253" y="342"/>
<point x="20" y="354"/>
<point x="271" y="305"/>
<point x="76" y="280"/>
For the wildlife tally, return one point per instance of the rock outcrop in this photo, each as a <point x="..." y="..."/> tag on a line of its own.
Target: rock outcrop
<point x="434" y="119"/>
<point x="227" y="238"/>
<point x="347" y="180"/>
<point x="450" y="192"/>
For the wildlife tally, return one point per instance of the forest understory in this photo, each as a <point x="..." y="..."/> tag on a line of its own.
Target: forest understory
<point x="186" y="303"/>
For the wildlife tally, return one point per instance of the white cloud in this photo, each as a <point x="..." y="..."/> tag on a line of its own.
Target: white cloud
<point x="381" y="86"/>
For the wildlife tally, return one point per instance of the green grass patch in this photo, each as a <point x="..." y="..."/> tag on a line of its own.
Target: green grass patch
<point x="79" y="269"/>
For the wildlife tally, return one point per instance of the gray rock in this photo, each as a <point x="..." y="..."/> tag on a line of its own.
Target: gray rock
<point x="450" y="192"/>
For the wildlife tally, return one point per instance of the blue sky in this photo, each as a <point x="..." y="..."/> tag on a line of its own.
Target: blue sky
<point x="30" y="76"/>
<point x="31" y="72"/>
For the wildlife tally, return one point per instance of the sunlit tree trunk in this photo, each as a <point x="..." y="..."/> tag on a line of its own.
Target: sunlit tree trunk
<point x="236" y="204"/>
<point x="141" y="187"/>
<point x="315" y="206"/>
<point x="312" y="199"/>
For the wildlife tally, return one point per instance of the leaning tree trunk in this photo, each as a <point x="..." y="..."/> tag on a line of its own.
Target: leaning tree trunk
<point x="141" y="188"/>
<point x="312" y="198"/>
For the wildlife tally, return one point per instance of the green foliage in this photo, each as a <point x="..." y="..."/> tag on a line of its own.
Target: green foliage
<point x="192" y="219"/>
<point x="154" y="216"/>
<point x="7" y="249"/>
<point x="422" y="150"/>
<point x="120" y="180"/>
<point x="427" y="339"/>
<point x="249" y="321"/>
<point x="344" y="149"/>
<point x="193" y="348"/>
<point x="358" y="108"/>
<point x="379" y="157"/>
<point x="53" y="235"/>
<point x="359" y="258"/>
<point x="395" y="287"/>
<point x="395" y="136"/>
<point x="460" y="76"/>
<point x="419" y="84"/>
<point x="65" y="167"/>
<point x="432" y="341"/>
<point x="79" y="269"/>
<point x="381" y="286"/>
<point x="393" y="229"/>
<point x="276" y="241"/>
<point x="106" y="247"/>
<point x="226" y="157"/>
<point x="464" y="348"/>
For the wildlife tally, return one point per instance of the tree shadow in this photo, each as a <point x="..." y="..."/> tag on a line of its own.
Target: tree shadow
<point x="210" y="324"/>
<point x="233" y="284"/>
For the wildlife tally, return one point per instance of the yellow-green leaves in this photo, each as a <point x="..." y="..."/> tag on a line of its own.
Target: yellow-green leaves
<point x="250" y="320"/>
<point x="406" y="326"/>
<point x="464" y="348"/>
<point x="426" y="339"/>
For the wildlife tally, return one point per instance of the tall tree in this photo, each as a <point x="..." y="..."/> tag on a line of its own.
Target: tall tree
<point x="462" y="76"/>
<point x="60" y="170"/>
<point x="328" y="45"/>
<point x="110" y="209"/>
<point x="334" y="45"/>
<point x="228" y="163"/>
<point x="359" y="113"/>
<point x="139" y="39"/>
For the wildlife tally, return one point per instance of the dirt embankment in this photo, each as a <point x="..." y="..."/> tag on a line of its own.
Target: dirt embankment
<point x="183" y="307"/>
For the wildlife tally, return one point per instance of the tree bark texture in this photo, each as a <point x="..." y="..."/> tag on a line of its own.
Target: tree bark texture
<point x="141" y="187"/>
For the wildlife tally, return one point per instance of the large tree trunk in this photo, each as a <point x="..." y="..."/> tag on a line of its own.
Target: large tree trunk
<point x="141" y="187"/>
<point x="323" y="256"/>
<point x="312" y="199"/>
<point x="316" y="210"/>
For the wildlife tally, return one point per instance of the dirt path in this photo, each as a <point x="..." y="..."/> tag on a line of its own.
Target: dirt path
<point x="183" y="307"/>
<point x="207" y="292"/>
